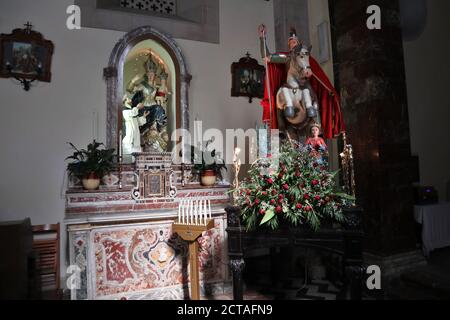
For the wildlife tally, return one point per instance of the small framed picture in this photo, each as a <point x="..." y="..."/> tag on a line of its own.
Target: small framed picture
<point x="25" y="54"/>
<point x="324" y="47"/>
<point x="247" y="78"/>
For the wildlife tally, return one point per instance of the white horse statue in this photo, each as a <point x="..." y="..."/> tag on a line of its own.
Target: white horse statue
<point x="297" y="104"/>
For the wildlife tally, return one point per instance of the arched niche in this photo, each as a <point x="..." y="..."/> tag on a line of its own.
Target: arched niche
<point x="114" y="77"/>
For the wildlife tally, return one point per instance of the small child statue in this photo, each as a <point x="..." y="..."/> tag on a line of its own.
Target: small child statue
<point x="316" y="144"/>
<point x="163" y="93"/>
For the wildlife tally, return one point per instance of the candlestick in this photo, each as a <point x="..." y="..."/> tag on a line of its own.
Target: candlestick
<point x="237" y="168"/>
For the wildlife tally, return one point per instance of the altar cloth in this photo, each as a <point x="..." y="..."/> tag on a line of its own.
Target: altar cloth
<point x="435" y="221"/>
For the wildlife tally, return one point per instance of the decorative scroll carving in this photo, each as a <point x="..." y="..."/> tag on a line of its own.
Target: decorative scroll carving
<point x="237" y="265"/>
<point x="233" y="216"/>
<point x="353" y="218"/>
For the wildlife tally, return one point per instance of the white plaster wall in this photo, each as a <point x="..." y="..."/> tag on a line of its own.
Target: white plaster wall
<point x="35" y="125"/>
<point x="318" y="13"/>
<point x="427" y="62"/>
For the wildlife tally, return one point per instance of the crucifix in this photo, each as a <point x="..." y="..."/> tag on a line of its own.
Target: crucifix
<point x="28" y="26"/>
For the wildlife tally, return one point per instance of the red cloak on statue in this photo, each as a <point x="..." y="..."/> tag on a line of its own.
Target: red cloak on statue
<point x="329" y="104"/>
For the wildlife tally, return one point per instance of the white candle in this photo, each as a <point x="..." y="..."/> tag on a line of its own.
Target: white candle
<point x="179" y="212"/>
<point x="185" y="212"/>
<point x="182" y="211"/>
<point x="195" y="212"/>
<point x="120" y="144"/>
<point x="183" y="151"/>
<point x="198" y="132"/>
<point x="200" y="213"/>
<point x="192" y="212"/>
<point x="186" y="204"/>
<point x="209" y="209"/>
<point x="205" y="211"/>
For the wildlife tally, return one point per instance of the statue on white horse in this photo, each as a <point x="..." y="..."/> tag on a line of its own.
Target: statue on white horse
<point x="297" y="104"/>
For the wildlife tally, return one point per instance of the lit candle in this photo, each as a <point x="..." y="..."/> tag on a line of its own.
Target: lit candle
<point x="236" y="153"/>
<point x="179" y="212"/>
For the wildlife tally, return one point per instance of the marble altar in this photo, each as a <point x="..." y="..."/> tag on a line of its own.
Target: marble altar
<point x="122" y="239"/>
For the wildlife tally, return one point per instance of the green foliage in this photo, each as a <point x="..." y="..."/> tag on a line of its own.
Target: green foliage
<point x="295" y="187"/>
<point x="207" y="160"/>
<point x="90" y="160"/>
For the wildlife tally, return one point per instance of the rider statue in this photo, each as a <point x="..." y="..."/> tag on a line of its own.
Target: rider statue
<point x="297" y="78"/>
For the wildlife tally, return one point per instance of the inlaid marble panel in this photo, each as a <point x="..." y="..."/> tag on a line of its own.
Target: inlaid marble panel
<point x="136" y="259"/>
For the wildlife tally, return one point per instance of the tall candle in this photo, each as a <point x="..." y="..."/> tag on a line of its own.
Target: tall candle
<point x="179" y="212"/>
<point x="120" y="145"/>
<point x="198" y="132"/>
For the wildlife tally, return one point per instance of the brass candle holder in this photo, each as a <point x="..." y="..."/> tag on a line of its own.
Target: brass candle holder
<point x="348" y="168"/>
<point x="237" y="168"/>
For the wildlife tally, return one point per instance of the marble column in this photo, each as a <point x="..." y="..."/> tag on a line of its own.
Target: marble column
<point x="369" y="70"/>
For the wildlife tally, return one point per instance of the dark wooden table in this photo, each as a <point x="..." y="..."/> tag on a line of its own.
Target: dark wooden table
<point x="345" y="241"/>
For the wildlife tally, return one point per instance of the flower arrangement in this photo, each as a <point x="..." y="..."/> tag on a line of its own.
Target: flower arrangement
<point x="295" y="187"/>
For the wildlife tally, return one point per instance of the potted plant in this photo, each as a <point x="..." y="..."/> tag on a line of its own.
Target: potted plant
<point x="208" y="164"/>
<point x="91" y="164"/>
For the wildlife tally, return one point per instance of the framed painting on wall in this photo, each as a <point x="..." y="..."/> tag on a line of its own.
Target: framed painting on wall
<point x="247" y="78"/>
<point x="25" y="54"/>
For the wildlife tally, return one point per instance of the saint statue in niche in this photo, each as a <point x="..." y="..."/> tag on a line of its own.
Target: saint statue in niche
<point x="153" y="86"/>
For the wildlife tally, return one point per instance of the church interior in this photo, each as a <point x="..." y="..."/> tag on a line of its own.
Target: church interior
<point x="224" y="150"/>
